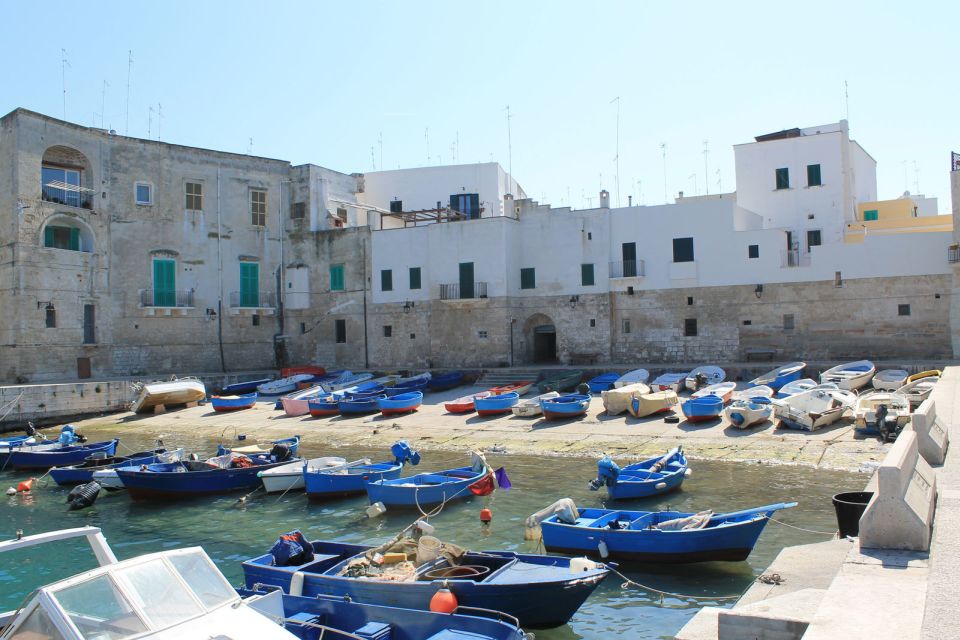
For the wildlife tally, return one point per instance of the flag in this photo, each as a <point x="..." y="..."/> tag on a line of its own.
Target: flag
<point x="502" y="479"/>
<point x="483" y="487"/>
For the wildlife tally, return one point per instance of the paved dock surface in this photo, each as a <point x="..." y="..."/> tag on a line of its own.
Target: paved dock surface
<point x="835" y="447"/>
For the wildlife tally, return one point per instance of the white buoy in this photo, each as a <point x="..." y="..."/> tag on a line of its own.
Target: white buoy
<point x="376" y="509"/>
<point x="11" y="491"/>
<point x="425" y="526"/>
<point x="660" y="486"/>
<point x="688" y="472"/>
<point x="602" y="549"/>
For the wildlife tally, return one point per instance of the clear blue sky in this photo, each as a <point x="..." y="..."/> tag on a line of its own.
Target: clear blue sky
<point x="319" y="82"/>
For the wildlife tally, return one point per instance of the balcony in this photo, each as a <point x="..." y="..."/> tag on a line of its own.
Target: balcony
<point x="67" y="198"/>
<point x="453" y="292"/>
<point x="257" y="302"/>
<point x="794" y="258"/>
<point x="953" y="254"/>
<point x="628" y="269"/>
<point x="165" y="303"/>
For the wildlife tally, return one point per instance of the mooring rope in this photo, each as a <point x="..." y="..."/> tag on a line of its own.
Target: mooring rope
<point x="793" y="526"/>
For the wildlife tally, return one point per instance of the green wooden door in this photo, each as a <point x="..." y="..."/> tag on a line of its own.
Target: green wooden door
<point x="466" y="279"/>
<point x="249" y="284"/>
<point x="164" y="283"/>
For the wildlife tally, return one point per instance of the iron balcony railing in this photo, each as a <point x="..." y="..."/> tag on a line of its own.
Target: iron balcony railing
<point x="157" y="298"/>
<point x="454" y="292"/>
<point x="953" y="254"/>
<point x="68" y="198"/>
<point x="628" y="269"/>
<point x="794" y="258"/>
<point x="253" y="300"/>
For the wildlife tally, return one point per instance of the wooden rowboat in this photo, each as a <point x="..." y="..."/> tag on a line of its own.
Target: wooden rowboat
<point x="465" y="404"/>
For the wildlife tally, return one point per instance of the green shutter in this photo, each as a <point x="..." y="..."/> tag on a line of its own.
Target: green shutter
<point x="164" y="283"/>
<point x="871" y="214"/>
<point x="336" y="277"/>
<point x="386" y="280"/>
<point x="48" y="240"/>
<point x="528" y="278"/>
<point x="74" y="239"/>
<point x="249" y="284"/>
<point x="586" y="275"/>
<point x="414" y="277"/>
<point x="466" y="280"/>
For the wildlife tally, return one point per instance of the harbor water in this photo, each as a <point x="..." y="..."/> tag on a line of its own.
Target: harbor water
<point x="231" y="531"/>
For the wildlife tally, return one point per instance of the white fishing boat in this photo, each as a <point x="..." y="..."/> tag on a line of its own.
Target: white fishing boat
<point x="284" y="385"/>
<point x="804" y="384"/>
<point x="531" y="407"/>
<point x="617" y="400"/>
<point x="760" y="391"/>
<point x="723" y="390"/>
<point x="289" y="477"/>
<point x="918" y="390"/>
<point x="880" y="411"/>
<point x="178" y="593"/>
<point x="744" y="413"/>
<point x="704" y="376"/>
<point x="648" y="404"/>
<point x="349" y="379"/>
<point x="851" y="375"/>
<point x="669" y="382"/>
<point x="178" y="391"/>
<point x="632" y="377"/>
<point x="890" y="379"/>
<point x="813" y="409"/>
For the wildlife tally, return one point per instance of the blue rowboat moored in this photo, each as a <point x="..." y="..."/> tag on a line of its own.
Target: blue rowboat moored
<point x="359" y="403"/>
<point x="702" y="408"/>
<point x="659" y="536"/>
<point x="400" y="404"/>
<point x="425" y="489"/>
<point x="226" y="403"/>
<point x="64" y="455"/>
<point x="568" y="406"/>
<point x="83" y="471"/>
<point x="649" y="477"/>
<point x="497" y="404"/>
<point x="352" y="478"/>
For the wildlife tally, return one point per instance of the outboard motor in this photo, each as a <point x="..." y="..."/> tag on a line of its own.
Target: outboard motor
<point x="402" y="453"/>
<point x="83" y="496"/>
<point x="887" y="424"/>
<point x="699" y="381"/>
<point x="607" y="473"/>
<point x="280" y="452"/>
<point x="31" y="430"/>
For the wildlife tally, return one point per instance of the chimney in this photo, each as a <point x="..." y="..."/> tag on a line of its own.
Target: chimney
<point x="630" y="201"/>
<point x="604" y="199"/>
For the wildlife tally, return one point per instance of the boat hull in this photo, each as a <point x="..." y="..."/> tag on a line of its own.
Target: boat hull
<point x="702" y="409"/>
<point x="173" y="392"/>
<point x="631" y="483"/>
<point x="223" y="404"/>
<point x="446" y="381"/>
<point x="494" y="405"/>
<point x="324" y="486"/>
<point x="25" y="459"/>
<point x="171" y="485"/>
<point x="243" y="388"/>
<point x="560" y="383"/>
<point x="400" y="404"/>
<point x="648" y="404"/>
<point x="407" y="492"/>
<point x="565" y="407"/>
<point x="77" y="474"/>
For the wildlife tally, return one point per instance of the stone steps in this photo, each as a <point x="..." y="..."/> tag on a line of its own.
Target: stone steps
<point x="497" y="377"/>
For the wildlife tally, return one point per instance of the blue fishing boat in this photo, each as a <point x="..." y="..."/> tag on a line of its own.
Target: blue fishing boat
<point x="359" y="403"/>
<point x="58" y="456"/>
<point x="659" y="536"/>
<point x="83" y="472"/>
<point x="649" y="477"/>
<point x="243" y="388"/>
<point x="540" y="591"/>
<point x="603" y="382"/>
<point x="495" y="404"/>
<point x="446" y="381"/>
<point x="407" y="386"/>
<point x="352" y="478"/>
<point x="324" y="406"/>
<point x="226" y="402"/>
<point x="703" y="408"/>
<point x="400" y="404"/>
<point x="426" y="489"/>
<point x="334" y="617"/>
<point x="10" y="442"/>
<point x="776" y="378"/>
<point x="190" y="478"/>
<point x="568" y="406"/>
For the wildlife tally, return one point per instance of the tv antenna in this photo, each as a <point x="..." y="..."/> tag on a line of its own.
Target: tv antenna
<point x="509" y="145"/>
<point x="64" y="63"/>
<point x="126" y="127"/>
<point x="616" y="157"/>
<point x="149" y="122"/>
<point x="159" y="119"/>
<point x="103" y="102"/>
<point x="373" y="159"/>
<point x="663" y="150"/>
<point x="426" y="136"/>
<point x="706" y="170"/>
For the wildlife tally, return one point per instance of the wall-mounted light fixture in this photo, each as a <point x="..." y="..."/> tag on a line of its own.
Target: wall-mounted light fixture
<point x="758" y="291"/>
<point x="409" y="304"/>
<point x="574" y="300"/>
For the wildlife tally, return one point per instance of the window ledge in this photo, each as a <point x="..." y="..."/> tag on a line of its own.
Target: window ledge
<point x="165" y="311"/>
<point x="252" y="311"/>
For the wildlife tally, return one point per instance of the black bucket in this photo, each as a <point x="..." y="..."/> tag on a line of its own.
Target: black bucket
<point x="849" y="507"/>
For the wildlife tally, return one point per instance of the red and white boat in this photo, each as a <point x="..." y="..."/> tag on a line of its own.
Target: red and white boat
<point x="519" y="388"/>
<point x="464" y="404"/>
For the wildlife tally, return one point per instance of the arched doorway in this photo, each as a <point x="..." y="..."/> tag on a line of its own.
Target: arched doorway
<point x="540" y="335"/>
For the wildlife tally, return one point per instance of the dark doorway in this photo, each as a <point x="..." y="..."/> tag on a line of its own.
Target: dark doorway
<point x="466" y="280"/>
<point x="89" y="325"/>
<point x="545" y="343"/>
<point x="83" y="368"/>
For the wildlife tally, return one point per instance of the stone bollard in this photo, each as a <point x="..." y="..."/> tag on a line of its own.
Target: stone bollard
<point x="932" y="437"/>
<point x="900" y="514"/>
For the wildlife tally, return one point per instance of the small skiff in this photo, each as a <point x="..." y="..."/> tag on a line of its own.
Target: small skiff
<point x="932" y="373"/>
<point x="243" y="388"/>
<point x="776" y="378"/>
<point x="222" y="404"/>
<point x="813" y="409"/>
<point x="649" y="477"/>
<point x="747" y="412"/>
<point x="401" y="403"/>
<point x="762" y="391"/>
<point x="349" y="379"/>
<point x="851" y="375"/>
<point x="446" y="381"/>
<point x="603" y="382"/>
<point x="562" y="407"/>
<point x="531" y="407"/>
<point x="632" y="377"/>
<point x="283" y="385"/>
<point x="703" y="408"/>
<point x="298" y="402"/>
<point x="289" y="477"/>
<point x="723" y="390"/>
<point x="465" y="404"/>
<point x="520" y="388"/>
<point x="648" y="404"/>
<point x="617" y="400"/>
<point x="495" y="404"/>
<point x="179" y="391"/>
<point x="804" y="384"/>
<point x="563" y="381"/>
<point x="881" y="412"/>
<point x="425" y="489"/>
<point x="918" y="390"/>
<point x="704" y="376"/>
<point x="669" y="382"/>
<point x="322" y="406"/>
<point x="890" y="379"/>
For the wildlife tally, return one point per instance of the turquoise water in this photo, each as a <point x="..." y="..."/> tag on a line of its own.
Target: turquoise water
<point x="231" y="533"/>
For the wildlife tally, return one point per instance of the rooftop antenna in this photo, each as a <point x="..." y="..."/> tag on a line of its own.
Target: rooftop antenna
<point x="373" y="159"/>
<point x="706" y="170"/>
<point x="149" y="122"/>
<point x="380" y="142"/>
<point x="916" y="178"/>
<point x="426" y="136"/>
<point x="126" y="127"/>
<point x="103" y="102"/>
<point x="719" y="181"/>
<point x="663" y="149"/>
<point x="249" y="146"/>
<point x="846" y="98"/>
<point x="64" y="63"/>
<point x="509" y="145"/>
<point x="159" y="119"/>
<point x="616" y="157"/>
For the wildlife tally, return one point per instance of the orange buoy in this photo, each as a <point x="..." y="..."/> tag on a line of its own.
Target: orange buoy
<point x="26" y="485"/>
<point x="485" y="516"/>
<point x="443" y="601"/>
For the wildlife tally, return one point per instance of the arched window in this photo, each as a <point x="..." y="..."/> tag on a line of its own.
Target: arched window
<point x="66" y="232"/>
<point x="66" y="178"/>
